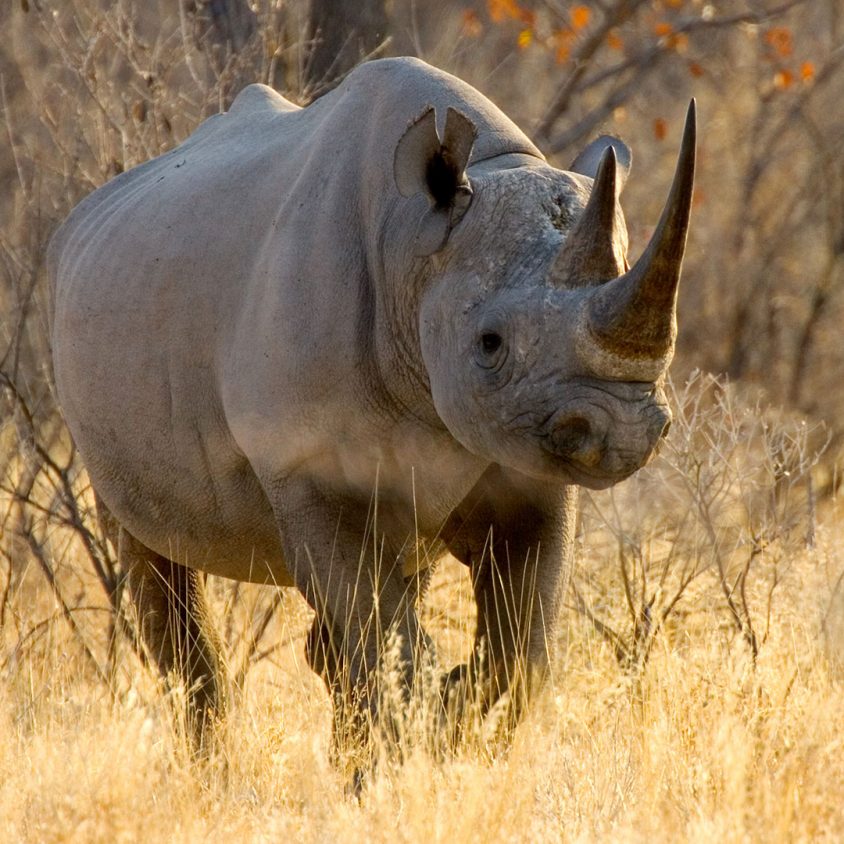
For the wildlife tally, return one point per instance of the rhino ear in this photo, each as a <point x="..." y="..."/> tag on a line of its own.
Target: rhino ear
<point x="590" y="158"/>
<point x="417" y="146"/>
<point x="437" y="168"/>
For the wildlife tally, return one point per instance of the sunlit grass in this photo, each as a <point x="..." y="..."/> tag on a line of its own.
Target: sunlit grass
<point x="701" y="746"/>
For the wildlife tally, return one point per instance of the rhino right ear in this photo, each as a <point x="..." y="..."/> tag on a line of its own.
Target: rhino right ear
<point x="588" y="161"/>
<point x="425" y="164"/>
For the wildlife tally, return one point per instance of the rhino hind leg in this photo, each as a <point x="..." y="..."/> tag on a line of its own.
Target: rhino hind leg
<point x="175" y="627"/>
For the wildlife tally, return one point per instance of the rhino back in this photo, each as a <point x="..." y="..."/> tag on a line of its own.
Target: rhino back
<point x="213" y="307"/>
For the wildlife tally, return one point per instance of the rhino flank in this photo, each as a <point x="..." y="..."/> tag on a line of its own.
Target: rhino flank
<point x="319" y="347"/>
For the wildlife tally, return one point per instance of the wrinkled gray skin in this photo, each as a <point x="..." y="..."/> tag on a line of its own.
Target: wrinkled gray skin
<point x="273" y="363"/>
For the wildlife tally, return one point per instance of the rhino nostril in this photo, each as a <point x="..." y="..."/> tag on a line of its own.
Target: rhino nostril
<point x="665" y="429"/>
<point x="571" y="434"/>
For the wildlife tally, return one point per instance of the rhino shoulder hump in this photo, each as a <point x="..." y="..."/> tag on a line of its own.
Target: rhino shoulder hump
<point x="258" y="97"/>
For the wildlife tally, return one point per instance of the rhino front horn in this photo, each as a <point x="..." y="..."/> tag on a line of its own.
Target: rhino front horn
<point x="633" y="316"/>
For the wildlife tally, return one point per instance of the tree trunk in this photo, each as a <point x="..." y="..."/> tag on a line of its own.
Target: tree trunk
<point x="342" y="32"/>
<point x="222" y="27"/>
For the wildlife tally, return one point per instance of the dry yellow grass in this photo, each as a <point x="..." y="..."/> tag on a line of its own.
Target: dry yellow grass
<point x="702" y="747"/>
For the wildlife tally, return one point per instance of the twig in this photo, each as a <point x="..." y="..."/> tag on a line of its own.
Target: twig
<point x="257" y="635"/>
<point x="620" y="650"/>
<point x="38" y="553"/>
<point x="643" y="63"/>
<point x="622" y="12"/>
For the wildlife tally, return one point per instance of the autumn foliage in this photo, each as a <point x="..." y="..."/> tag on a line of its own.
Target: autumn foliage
<point x="672" y="23"/>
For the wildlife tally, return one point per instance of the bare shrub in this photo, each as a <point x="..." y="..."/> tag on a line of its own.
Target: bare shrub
<point x="711" y="526"/>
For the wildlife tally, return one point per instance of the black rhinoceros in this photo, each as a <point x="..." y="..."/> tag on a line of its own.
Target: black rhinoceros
<point x="319" y="347"/>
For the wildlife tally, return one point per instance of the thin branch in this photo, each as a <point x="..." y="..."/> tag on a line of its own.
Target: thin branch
<point x="620" y="650"/>
<point x="622" y="12"/>
<point x="643" y="63"/>
<point x="258" y="632"/>
<point x="38" y="553"/>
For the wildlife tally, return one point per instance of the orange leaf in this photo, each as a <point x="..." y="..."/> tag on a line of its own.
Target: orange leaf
<point x="501" y="10"/>
<point x="679" y="42"/>
<point x="807" y="71"/>
<point x="614" y="41"/>
<point x="660" y="129"/>
<point x="663" y="28"/>
<point x="783" y="79"/>
<point x="674" y="4"/>
<point x="524" y="39"/>
<point x="471" y="23"/>
<point x="779" y="37"/>
<point x="562" y="40"/>
<point x="695" y="69"/>
<point x="139" y="110"/>
<point x="528" y="18"/>
<point x="580" y="16"/>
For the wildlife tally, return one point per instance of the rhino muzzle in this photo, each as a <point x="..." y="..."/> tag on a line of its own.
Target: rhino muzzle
<point x="590" y="441"/>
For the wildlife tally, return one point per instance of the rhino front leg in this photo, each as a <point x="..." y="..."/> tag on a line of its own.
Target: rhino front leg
<point x="516" y="535"/>
<point x="350" y="572"/>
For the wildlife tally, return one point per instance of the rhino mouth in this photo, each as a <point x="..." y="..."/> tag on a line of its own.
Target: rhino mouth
<point x="596" y="478"/>
<point x="590" y="444"/>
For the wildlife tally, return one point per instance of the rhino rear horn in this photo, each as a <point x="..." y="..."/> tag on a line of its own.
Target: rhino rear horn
<point x="633" y="316"/>
<point x="595" y="247"/>
<point x="437" y="168"/>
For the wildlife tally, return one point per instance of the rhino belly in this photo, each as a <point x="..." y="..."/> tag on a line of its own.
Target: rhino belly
<point x="229" y="531"/>
<point x="158" y="452"/>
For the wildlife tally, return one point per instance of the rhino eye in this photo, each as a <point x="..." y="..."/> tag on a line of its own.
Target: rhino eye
<point x="490" y="350"/>
<point x="490" y="342"/>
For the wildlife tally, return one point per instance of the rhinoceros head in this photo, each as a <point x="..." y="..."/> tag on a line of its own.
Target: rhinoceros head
<point x="544" y="349"/>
